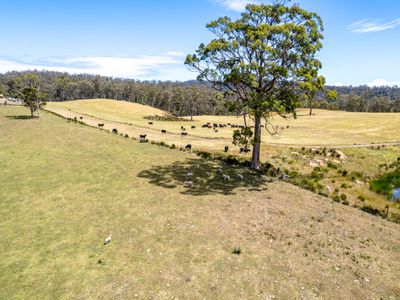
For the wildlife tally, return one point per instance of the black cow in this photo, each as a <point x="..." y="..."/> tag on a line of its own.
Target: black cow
<point x="142" y="136"/>
<point x="81" y="118"/>
<point x="193" y="127"/>
<point x="184" y="133"/>
<point x="115" y="131"/>
<point x="100" y="125"/>
<point x="150" y="123"/>
<point x="244" y="150"/>
<point x="226" y="149"/>
<point x="188" y="147"/>
<point x="163" y="131"/>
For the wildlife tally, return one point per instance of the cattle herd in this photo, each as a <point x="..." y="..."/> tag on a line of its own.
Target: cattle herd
<point x="184" y="133"/>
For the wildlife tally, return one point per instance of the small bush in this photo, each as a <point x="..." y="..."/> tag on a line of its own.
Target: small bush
<point x="386" y="182"/>
<point x="237" y="250"/>
<point x="204" y="154"/>
<point x="336" y="198"/>
<point x="344" y="185"/>
<point x="361" y="198"/>
<point x="371" y="210"/>
<point x="343" y="197"/>
<point x="356" y="175"/>
<point x="332" y="165"/>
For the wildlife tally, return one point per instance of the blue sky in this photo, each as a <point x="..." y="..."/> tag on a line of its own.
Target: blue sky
<point x="148" y="39"/>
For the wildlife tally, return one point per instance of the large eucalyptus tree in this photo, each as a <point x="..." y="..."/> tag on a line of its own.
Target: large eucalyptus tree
<point x="264" y="62"/>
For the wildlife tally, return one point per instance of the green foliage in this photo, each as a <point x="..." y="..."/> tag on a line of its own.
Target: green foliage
<point x="30" y="94"/>
<point x="264" y="62"/>
<point x="387" y="182"/>
<point x="237" y="250"/>
<point x="242" y="137"/>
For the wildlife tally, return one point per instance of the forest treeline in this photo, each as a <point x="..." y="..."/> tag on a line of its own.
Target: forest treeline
<point x="184" y="98"/>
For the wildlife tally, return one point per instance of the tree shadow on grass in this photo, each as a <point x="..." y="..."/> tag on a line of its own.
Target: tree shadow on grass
<point x="21" y="117"/>
<point x="205" y="177"/>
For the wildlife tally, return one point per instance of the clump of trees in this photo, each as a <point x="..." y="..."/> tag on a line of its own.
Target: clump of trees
<point x="178" y="98"/>
<point x="360" y="99"/>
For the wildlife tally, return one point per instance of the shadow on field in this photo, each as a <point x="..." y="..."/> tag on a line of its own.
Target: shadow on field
<point x="21" y="117"/>
<point x="204" y="176"/>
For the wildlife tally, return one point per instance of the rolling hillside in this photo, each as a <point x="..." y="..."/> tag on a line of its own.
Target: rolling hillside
<point x="325" y="128"/>
<point x="64" y="187"/>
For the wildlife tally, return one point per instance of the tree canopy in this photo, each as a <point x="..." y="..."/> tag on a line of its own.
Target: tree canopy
<point x="264" y="62"/>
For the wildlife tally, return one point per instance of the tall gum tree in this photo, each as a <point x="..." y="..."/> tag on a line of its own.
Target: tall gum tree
<point x="264" y="63"/>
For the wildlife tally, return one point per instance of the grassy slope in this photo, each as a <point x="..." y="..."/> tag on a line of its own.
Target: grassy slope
<point x="324" y="128"/>
<point x="65" y="187"/>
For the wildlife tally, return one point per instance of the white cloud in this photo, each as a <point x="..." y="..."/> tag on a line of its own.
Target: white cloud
<point x="374" y="83"/>
<point x="167" y="66"/>
<point x="383" y="82"/>
<point x="368" y="25"/>
<point x="236" y="5"/>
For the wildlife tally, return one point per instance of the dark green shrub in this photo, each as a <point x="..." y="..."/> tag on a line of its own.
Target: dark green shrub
<point x="361" y="198"/>
<point x="236" y="250"/>
<point x="204" y="154"/>
<point x="356" y="175"/>
<point x="343" y="197"/>
<point x="332" y="165"/>
<point x="387" y="182"/>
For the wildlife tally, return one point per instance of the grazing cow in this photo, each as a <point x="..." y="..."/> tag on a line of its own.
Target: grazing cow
<point x="244" y="150"/>
<point x="189" y="184"/>
<point x="226" y="177"/>
<point x="226" y="149"/>
<point x="204" y="126"/>
<point x="183" y="128"/>
<point x="184" y="133"/>
<point x="115" y="131"/>
<point x="239" y="176"/>
<point x="107" y="240"/>
<point x="81" y="118"/>
<point x="75" y="118"/>
<point x="215" y="125"/>
<point x="142" y="136"/>
<point x="100" y="125"/>
<point x="193" y="127"/>
<point x="150" y="123"/>
<point x="188" y="147"/>
<point x="163" y="131"/>
<point x="216" y="130"/>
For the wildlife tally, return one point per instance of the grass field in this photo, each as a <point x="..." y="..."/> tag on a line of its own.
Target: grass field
<point x="325" y="128"/>
<point x="333" y="128"/>
<point x="64" y="187"/>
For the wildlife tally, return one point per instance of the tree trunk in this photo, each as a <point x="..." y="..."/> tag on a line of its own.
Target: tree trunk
<point x="31" y="112"/>
<point x="310" y="104"/>
<point x="255" y="160"/>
